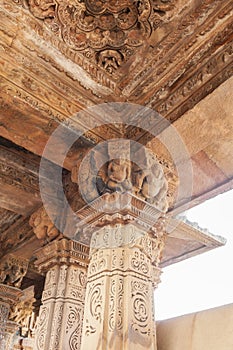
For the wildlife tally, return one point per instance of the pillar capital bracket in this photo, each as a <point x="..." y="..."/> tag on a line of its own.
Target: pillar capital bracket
<point x="116" y="208"/>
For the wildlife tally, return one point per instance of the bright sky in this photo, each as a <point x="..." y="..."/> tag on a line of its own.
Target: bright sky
<point x="204" y="281"/>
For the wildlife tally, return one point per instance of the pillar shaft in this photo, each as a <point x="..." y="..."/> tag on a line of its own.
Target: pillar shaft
<point x="59" y="324"/>
<point x="119" y="309"/>
<point x="8" y="297"/>
<point x="11" y="328"/>
<point x="4" y="312"/>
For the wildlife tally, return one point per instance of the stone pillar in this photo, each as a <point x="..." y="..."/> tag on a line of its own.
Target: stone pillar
<point x="59" y="324"/>
<point x="9" y="296"/>
<point x="123" y="271"/>
<point x="126" y="194"/>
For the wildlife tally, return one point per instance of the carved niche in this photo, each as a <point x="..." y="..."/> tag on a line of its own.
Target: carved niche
<point x="105" y="31"/>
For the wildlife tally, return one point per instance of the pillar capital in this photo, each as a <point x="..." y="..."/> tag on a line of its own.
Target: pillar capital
<point x="116" y="208"/>
<point x="63" y="251"/>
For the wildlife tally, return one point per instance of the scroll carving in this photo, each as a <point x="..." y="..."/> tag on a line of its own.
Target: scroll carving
<point x="139" y="292"/>
<point x="41" y="327"/>
<point x="75" y="319"/>
<point x="117" y="236"/>
<point x="116" y="303"/>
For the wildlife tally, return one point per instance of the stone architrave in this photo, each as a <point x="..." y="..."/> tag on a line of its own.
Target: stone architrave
<point x="123" y="271"/>
<point x="59" y="324"/>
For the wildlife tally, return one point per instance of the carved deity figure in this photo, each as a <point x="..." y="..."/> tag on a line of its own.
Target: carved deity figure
<point x="150" y="183"/>
<point x="43" y="227"/>
<point x="12" y="272"/>
<point x="119" y="175"/>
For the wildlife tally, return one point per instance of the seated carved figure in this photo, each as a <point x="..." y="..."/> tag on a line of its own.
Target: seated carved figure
<point x="119" y="175"/>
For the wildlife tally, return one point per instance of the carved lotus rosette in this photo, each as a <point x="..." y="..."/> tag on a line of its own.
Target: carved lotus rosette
<point x="102" y="29"/>
<point x="97" y="24"/>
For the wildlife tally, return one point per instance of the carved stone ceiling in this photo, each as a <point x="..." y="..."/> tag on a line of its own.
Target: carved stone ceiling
<point x="58" y="57"/>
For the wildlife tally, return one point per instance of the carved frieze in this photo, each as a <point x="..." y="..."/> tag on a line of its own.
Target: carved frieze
<point x="15" y="236"/>
<point x="7" y="218"/>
